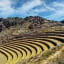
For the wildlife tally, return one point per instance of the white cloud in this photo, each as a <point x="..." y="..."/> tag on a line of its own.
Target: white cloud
<point x="56" y="15"/>
<point x="40" y="10"/>
<point x="48" y="7"/>
<point x="59" y="12"/>
<point x="58" y="4"/>
<point x="5" y="8"/>
<point x="26" y="9"/>
<point x="31" y="8"/>
<point x="30" y="5"/>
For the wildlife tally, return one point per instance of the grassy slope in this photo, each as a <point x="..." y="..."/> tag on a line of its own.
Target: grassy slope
<point x="52" y="56"/>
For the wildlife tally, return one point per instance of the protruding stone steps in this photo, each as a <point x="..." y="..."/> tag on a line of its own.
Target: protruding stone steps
<point x="16" y="54"/>
<point x="10" y="56"/>
<point x="36" y="46"/>
<point x="3" y="55"/>
<point x="20" y="49"/>
<point x="51" y="42"/>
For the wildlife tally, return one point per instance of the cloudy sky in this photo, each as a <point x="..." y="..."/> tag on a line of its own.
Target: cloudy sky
<point x="50" y="9"/>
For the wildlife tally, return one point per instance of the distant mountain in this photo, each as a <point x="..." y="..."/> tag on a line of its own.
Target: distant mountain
<point x="30" y="22"/>
<point x="35" y="19"/>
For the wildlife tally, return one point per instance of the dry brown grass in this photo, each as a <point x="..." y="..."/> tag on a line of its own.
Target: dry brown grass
<point x="52" y="56"/>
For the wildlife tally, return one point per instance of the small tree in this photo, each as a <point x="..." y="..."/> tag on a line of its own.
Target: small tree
<point x="62" y="21"/>
<point x="6" y="24"/>
<point x="0" y="28"/>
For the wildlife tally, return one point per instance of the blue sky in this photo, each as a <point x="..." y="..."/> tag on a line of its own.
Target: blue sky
<point x="50" y="9"/>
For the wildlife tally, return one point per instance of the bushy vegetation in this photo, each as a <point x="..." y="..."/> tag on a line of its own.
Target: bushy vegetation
<point x="62" y="21"/>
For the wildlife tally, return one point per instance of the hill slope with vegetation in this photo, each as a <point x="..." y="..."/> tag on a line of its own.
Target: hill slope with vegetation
<point x="31" y="24"/>
<point x="31" y="40"/>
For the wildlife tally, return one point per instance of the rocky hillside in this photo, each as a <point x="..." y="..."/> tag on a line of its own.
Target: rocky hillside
<point x="31" y="23"/>
<point x="31" y="40"/>
<point x="11" y="27"/>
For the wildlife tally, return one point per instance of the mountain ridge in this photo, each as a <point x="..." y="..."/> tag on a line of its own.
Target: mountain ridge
<point x="34" y="21"/>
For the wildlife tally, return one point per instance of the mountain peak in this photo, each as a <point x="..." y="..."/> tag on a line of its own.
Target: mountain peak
<point x="35" y="19"/>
